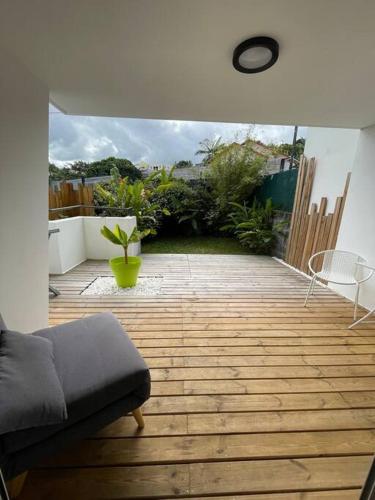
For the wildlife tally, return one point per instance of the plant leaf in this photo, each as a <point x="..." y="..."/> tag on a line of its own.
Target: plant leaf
<point x="107" y="233"/>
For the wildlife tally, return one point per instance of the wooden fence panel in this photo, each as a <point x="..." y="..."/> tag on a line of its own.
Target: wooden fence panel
<point x="66" y="196"/>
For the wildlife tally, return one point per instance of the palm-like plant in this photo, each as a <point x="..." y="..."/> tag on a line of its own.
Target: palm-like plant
<point x="130" y="199"/>
<point x="253" y="226"/>
<point x="119" y="237"/>
<point x="208" y="148"/>
<point x="161" y="180"/>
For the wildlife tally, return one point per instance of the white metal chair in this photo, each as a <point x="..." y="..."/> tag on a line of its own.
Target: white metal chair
<point x="340" y="267"/>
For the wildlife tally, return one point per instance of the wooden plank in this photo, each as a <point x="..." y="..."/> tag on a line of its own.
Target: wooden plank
<point x="304" y="207"/>
<point x="258" y="402"/>
<point x="272" y="386"/>
<point x="184" y="449"/>
<point x="270" y="372"/>
<point x="244" y="423"/>
<point x="310" y="235"/>
<point x="107" y="483"/>
<point x="256" y="476"/>
<point x="335" y="224"/>
<point x="292" y="475"/>
<point x="295" y="211"/>
<point x="342" y="206"/>
<point x="352" y="494"/>
<point x="298" y="212"/>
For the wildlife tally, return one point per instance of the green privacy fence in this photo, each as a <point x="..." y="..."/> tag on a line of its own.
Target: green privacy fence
<point x="280" y="187"/>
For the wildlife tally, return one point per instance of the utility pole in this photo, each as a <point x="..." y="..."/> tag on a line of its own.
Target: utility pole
<point x="292" y="156"/>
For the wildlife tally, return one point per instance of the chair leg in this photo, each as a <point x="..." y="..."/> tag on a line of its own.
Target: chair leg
<point x="356" y="303"/>
<point x="360" y="320"/>
<point x="15" y="485"/>
<point x="137" y="414"/>
<point x="310" y="290"/>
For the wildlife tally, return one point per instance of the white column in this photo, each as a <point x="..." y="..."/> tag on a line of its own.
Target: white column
<point x="23" y="197"/>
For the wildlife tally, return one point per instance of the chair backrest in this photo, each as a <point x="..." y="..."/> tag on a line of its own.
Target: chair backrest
<point x="342" y="262"/>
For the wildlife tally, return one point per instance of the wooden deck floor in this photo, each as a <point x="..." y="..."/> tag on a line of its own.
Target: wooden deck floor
<point x="253" y="395"/>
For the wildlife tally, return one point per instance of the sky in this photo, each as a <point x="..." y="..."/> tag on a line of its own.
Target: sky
<point x="157" y="142"/>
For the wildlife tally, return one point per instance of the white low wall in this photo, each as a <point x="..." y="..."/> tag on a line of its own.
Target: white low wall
<point x="80" y="239"/>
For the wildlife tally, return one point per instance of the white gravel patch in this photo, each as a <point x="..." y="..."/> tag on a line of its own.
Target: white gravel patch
<point x="146" y="286"/>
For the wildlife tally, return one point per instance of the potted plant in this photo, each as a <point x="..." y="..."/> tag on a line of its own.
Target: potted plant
<point x="125" y="269"/>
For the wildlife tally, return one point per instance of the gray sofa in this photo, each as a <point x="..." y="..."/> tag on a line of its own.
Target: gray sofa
<point x="102" y="376"/>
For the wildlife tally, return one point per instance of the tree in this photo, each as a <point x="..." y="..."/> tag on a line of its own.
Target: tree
<point x="183" y="164"/>
<point x="53" y="172"/>
<point x="104" y="167"/>
<point x="81" y="169"/>
<point x="209" y="148"/>
<point x="235" y="170"/>
<point x="60" y="174"/>
<point x="287" y="149"/>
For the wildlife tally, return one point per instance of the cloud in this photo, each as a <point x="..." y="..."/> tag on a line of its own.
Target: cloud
<point x="91" y="138"/>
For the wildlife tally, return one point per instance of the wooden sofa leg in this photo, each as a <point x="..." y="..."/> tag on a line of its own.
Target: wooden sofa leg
<point x="15" y="485"/>
<point x="137" y="414"/>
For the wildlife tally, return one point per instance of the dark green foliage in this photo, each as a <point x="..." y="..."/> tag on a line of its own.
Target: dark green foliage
<point x="100" y="168"/>
<point x="287" y="149"/>
<point x="188" y="204"/>
<point x="183" y="164"/>
<point x="120" y="198"/>
<point x="61" y="174"/>
<point x="235" y="171"/>
<point x="253" y="226"/>
<point x="104" y="167"/>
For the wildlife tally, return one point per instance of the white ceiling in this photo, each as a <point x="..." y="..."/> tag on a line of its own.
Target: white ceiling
<point x="172" y="58"/>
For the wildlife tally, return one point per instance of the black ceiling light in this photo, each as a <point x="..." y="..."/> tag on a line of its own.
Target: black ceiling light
<point x="255" y="54"/>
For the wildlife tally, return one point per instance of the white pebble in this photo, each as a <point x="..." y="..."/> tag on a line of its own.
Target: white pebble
<point x="146" y="286"/>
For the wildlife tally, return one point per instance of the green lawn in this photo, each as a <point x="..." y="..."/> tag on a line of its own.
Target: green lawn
<point x="193" y="244"/>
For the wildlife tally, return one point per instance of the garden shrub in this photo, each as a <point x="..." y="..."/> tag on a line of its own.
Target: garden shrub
<point x="234" y="173"/>
<point x="253" y="226"/>
<point x="120" y="198"/>
<point x="188" y="204"/>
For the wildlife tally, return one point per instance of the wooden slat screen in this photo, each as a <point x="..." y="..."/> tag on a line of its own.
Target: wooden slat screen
<point x="311" y="229"/>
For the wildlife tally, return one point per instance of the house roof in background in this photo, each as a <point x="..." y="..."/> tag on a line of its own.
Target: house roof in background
<point x="172" y="58"/>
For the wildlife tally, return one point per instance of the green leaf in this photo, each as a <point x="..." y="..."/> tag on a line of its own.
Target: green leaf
<point x="107" y="233"/>
<point x="184" y="218"/>
<point x="122" y="236"/>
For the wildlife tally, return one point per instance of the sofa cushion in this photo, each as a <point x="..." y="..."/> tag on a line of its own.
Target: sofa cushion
<point x="30" y="391"/>
<point x="96" y="361"/>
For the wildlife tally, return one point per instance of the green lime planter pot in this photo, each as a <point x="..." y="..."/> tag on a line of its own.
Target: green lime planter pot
<point x="126" y="274"/>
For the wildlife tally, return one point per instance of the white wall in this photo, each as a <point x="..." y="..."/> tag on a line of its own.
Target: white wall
<point x="337" y="152"/>
<point x="357" y="231"/>
<point x="80" y="239"/>
<point x="23" y="197"/>
<point x="334" y="150"/>
<point x="66" y="248"/>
